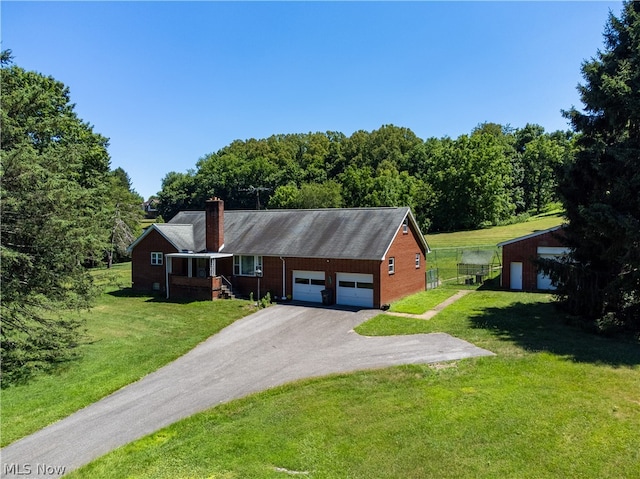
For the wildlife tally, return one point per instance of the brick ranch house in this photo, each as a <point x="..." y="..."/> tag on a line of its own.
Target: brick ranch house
<point x="365" y="257"/>
<point x="519" y="255"/>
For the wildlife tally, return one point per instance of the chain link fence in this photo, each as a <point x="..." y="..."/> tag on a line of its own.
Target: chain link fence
<point x="468" y="265"/>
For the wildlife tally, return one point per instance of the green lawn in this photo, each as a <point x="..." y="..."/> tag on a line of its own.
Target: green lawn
<point x="422" y="302"/>
<point x="494" y="235"/>
<point x="128" y="336"/>
<point x="553" y="402"/>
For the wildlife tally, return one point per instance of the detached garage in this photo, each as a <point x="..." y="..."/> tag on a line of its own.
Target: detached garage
<point x="519" y="255"/>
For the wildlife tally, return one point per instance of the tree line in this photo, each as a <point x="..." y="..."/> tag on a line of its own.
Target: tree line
<point x="489" y="176"/>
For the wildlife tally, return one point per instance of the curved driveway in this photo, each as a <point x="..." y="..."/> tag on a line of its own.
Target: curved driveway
<point x="274" y="346"/>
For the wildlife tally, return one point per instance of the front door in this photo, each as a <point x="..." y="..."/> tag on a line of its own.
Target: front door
<point x="515" y="272"/>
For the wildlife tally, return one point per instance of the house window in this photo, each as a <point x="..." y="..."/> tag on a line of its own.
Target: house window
<point x="405" y="226"/>
<point x="156" y="259"/>
<point x="417" y="260"/>
<point x="392" y="265"/>
<point x="246" y="265"/>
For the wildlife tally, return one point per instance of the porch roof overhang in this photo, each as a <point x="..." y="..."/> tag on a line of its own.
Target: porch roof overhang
<point x="199" y="255"/>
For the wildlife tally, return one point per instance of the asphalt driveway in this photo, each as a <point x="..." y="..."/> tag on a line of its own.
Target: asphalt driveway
<point x="277" y="345"/>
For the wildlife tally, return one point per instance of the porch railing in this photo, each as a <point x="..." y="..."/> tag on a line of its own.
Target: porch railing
<point x="226" y="282"/>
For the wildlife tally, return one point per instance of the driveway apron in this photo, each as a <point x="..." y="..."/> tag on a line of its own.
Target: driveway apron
<point x="274" y="346"/>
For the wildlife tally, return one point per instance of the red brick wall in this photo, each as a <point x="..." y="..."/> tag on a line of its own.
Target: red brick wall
<point x="194" y="288"/>
<point x="526" y="252"/>
<point x="143" y="273"/>
<point x="407" y="279"/>
<point x="272" y="274"/>
<point x="333" y="266"/>
<point x="214" y="224"/>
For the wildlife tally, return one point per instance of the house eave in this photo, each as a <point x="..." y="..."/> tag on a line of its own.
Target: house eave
<point x="199" y="255"/>
<point x="420" y="237"/>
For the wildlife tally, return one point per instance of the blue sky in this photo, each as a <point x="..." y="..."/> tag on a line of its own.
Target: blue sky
<point x="169" y="82"/>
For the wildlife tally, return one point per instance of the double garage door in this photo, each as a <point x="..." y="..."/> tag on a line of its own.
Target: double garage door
<point x="352" y="289"/>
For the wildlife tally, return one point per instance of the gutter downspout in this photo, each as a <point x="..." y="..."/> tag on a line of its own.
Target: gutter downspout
<point x="284" y="280"/>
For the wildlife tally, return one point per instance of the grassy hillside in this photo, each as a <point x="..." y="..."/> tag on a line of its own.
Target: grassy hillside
<point x="494" y="235"/>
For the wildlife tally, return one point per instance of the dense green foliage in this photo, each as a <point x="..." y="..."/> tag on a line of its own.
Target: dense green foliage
<point x="480" y="179"/>
<point x="601" y="189"/>
<point x="58" y="208"/>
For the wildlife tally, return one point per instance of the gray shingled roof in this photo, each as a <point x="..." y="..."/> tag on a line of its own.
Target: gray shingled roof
<point x="179" y="235"/>
<point x="197" y="220"/>
<point x="343" y="233"/>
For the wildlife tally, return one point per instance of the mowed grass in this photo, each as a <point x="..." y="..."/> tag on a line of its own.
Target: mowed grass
<point x="553" y="402"/>
<point x="127" y="337"/>
<point x="494" y="235"/>
<point x="422" y="302"/>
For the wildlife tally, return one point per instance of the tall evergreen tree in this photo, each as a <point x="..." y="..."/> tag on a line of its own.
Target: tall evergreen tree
<point x="601" y="189"/>
<point x="54" y="181"/>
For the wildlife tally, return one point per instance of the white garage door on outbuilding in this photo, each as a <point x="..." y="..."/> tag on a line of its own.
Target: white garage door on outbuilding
<point x="307" y="286"/>
<point x="545" y="252"/>
<point x="355" y="289"/>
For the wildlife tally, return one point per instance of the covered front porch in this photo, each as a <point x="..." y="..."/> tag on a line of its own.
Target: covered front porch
<point x="195" y="276"/>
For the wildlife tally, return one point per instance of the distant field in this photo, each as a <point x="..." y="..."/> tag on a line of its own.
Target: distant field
<point x="146" y="222"/>
<point x="493" y="236"/>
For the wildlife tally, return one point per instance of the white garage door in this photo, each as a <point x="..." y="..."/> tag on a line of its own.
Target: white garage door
<point x="543" y="281"/>
<point x="307" y="285"/>
<point x="355" y="289"/>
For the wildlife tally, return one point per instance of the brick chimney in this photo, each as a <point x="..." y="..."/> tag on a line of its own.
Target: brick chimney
<point x="214" y="217"/>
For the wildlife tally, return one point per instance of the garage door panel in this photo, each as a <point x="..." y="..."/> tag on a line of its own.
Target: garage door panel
<point x="543" y="282"/>
<point x="307" y="285"/>
<point x="355" y="289"/>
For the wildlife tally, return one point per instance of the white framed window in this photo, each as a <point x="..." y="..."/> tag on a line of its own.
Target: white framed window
<point x="246" y="265"/>
<point x="392" y="265"/>
<point x="156" y="258"/>
<point x="417" y="260"/>
<point x="405" y="226"/>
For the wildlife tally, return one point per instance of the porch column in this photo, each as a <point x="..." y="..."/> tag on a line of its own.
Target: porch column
<point x="212" y="267"/>
<point x="190" y="267"/>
